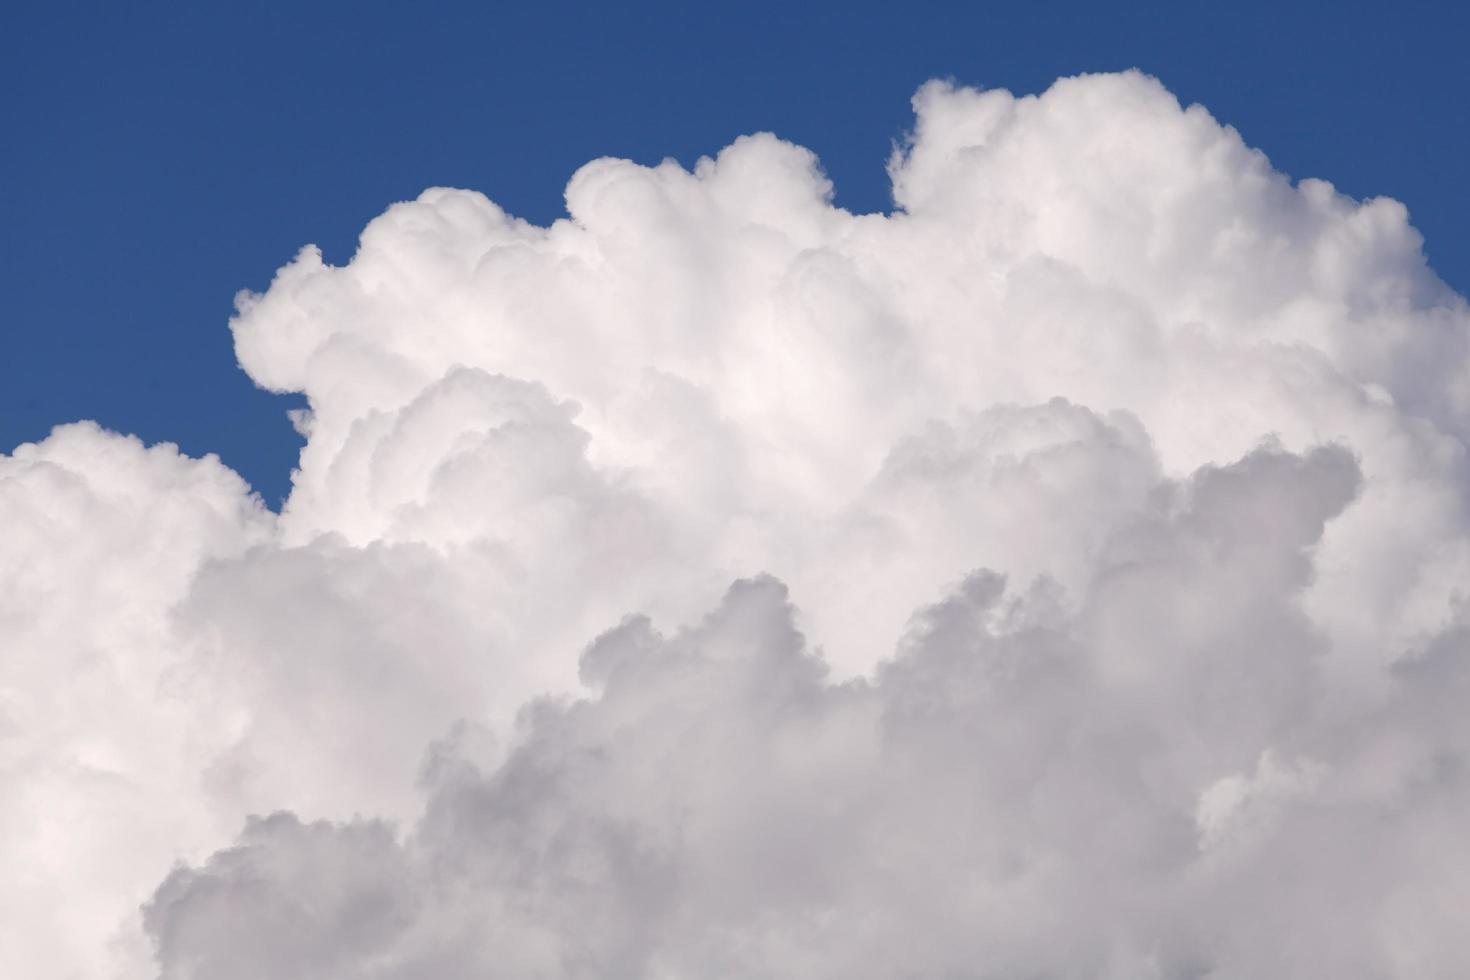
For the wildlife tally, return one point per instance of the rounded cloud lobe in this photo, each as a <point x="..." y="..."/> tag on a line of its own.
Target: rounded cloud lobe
<point x="1096" y="521"/>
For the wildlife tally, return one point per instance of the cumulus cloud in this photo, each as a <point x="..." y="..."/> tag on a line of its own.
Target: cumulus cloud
<point x="1097" y="522"/>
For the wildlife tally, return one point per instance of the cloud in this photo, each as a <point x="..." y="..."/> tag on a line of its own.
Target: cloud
<point x="1097" y="521"/>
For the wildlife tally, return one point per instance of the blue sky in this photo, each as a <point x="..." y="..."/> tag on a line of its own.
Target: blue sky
<point x="157" y="159"/>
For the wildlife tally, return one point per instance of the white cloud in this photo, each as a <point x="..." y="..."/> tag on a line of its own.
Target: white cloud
<point x="1167" y="452"/>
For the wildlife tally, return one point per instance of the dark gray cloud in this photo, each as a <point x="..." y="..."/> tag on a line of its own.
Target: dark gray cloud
<point x="1147" y="779"/>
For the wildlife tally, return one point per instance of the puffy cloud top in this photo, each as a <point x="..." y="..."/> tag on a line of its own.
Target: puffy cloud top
<point x="1097" y="522"/>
